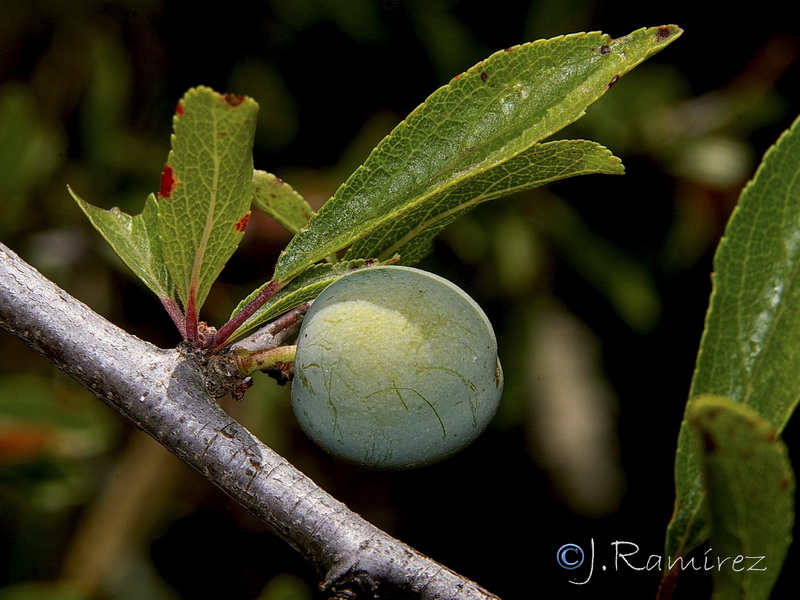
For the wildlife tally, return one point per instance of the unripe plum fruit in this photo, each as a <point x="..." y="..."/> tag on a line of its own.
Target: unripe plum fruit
<point x="395" y="368"/>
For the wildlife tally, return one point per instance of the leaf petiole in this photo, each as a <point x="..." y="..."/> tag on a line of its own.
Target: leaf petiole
<point x="237" y="320"/>
<point x="175" y="313"/>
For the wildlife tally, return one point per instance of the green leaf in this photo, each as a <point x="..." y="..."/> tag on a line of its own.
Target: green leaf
<point x="750" y="349"/>
<point x="750" y="489"/>
<point x="307" y="286"/>
<point x="206" y="190"/>
<point x="483" y="118"/>
<point x="136" y="242"/>
<point x="280" y="201"/>
<point x="411" y="229"/>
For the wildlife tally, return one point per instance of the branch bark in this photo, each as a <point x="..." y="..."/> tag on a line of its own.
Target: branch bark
<point x="163" y="392"/>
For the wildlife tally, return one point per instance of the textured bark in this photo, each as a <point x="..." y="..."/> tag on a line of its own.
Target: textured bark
<point x="164" y="393"/>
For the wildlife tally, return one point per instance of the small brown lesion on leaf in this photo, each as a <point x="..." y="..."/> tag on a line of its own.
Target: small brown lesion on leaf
<point x="233" y="100"/>
<point x="605" y="50"/>
<point x="611" y="83"/>
<point x="484" y="76"/>
<point x="663" y="33"/>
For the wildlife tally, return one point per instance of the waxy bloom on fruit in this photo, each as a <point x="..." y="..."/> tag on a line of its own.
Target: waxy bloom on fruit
<point x="395" y="368"/>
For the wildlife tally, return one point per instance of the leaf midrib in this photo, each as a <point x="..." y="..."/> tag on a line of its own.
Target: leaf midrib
<point x="197" y="265"/>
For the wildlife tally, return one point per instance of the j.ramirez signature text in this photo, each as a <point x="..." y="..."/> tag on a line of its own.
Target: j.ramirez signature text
<point x="626" y="555"/>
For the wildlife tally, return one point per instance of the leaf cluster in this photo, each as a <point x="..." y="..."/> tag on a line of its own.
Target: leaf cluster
<point x="478" y="138"/>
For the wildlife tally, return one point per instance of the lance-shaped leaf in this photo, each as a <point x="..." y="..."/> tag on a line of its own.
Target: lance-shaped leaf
<point x="280" y="201"/>
<point x="136" y="242"/>
<point x="307" y="286"/>
<point x="483" y="118"/>
<point x="750" y="490"/>
<point x="206" y="190"/>
<point x="412" y="228"/>
<point x="750" y="349"/>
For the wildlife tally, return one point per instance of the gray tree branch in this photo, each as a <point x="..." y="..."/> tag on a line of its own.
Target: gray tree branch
<point x="163" y="392"/>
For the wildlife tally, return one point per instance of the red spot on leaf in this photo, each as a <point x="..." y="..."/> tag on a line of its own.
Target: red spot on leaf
<point x="233" y="99"/>
<point x="179" y="108"/>
<point x="167" y="182"/>
<point x="241" y="224"/>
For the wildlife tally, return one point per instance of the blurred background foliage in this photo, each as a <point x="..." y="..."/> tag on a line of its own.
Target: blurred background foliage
<point x="597" y="286"/>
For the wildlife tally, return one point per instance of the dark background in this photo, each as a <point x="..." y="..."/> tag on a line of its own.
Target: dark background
<point x="597" y="286"/>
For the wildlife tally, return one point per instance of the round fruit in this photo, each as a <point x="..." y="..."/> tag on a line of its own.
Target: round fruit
<point x="395" y="368"/>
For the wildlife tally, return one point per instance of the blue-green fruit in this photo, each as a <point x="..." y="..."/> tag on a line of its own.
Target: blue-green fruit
<point x="395" y="368"/>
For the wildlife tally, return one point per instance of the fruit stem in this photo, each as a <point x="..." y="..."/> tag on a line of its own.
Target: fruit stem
<point x="271" y="359"/>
